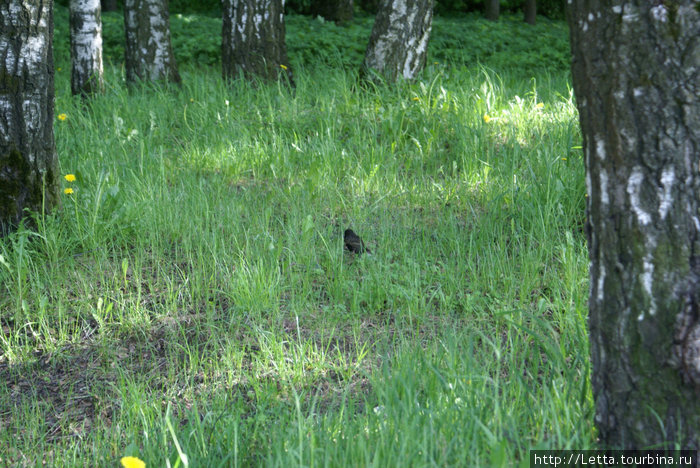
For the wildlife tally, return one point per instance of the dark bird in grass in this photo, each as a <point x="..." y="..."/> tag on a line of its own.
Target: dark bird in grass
<point x="353" y="242"/>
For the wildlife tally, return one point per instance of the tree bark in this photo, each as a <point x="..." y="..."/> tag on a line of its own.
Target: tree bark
<point x="339" y="11"/>
<point x="253" y="40"/>
<point x="86" y="47"/>
<point x="530" y="8"/>
<point x="398" y="44"/>
<point x="636" y="77"/>
<point x="148" y="52"/>
<point x="28" y="161"/>
<point x="369" y="6"/>
<point x="109" y="5"/>
<point x="492" y="9"/>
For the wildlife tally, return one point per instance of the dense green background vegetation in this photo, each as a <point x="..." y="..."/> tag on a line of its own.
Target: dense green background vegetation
<point x="192" y="294"/>
<point x="464" y="39"/>
<point x="550" y="8"/>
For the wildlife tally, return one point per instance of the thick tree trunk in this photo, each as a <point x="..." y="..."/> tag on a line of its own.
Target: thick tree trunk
<point x="86" y="47"/>
<point x="148" y="51"/>
<point x="492" y="9"/>
<point x="636" y="77"/>
<point x="253" y="43"/>
<point x="530" y="8"/>
<point x="109" y="5"/>
<point x="339" y="11"/>
<point x="28" y="162"/>
<point x="398" y="45"/>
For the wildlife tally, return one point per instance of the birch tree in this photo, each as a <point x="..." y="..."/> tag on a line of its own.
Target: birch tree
<point x="530" y="10"/>
<point x="636" y="77"/>
<point x="253" y="40"/>
<point x="28" y="162"/>
<point x="398" y="44"/>
<point x="86" y="47"/>
<point x="493" y="8"/>
<point x="148" y="51"/>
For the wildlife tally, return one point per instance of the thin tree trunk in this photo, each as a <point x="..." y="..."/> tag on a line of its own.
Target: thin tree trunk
<point x="339" y="11"/>
<point x="148" y="51"/>
<point x="530" y="11"/>
<point x="369" y="6"/>
<point x="28" y="161"/>
<point x="398" y="44"/>
<point x="636" y="76"/>
<point x="253" y="40"/>
<point x="86" y="47"/>
<point x="109" y="5"/>
<point x="492" y="9"/>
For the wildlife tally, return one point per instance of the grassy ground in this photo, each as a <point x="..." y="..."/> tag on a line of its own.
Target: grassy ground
<point x="190" y="303"/>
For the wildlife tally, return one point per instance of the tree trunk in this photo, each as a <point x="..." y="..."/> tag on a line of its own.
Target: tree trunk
<point x="492" y="9"/>
<point x="109" y="5"/>
<point x="635" y="73"/>
<point x="530" y="11"/>
<point x="86" y="47"/>
<point x="398" y="44"/>
<point x="148" y="51"/>
<point x="339" y="11"/>
<point x="253" y="43"/>
<point x="369" y="6"/>
<point x="28" y="161"/>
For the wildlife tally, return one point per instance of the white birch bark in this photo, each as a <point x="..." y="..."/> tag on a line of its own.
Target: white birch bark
<point x="86" y="47"/>
<point x="398" y="45"/>
<point x="28" y="162"/>
<point x="636" y="74"/>
<point x="253" y="40"/>
<point x="148" y="52"/>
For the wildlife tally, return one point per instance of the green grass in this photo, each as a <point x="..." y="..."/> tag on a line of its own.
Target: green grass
<point x="193" y="295"/>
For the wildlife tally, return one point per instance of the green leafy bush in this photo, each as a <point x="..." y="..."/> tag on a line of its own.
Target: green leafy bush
<point x="312" y="41"/>
<point x="505" y="44"/>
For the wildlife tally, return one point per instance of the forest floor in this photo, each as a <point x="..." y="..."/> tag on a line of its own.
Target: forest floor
<point x="191" y="301"/>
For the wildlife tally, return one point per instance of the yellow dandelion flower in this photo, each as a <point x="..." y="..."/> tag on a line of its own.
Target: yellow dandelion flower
<point x="563" y="159"/>
<point x="191" y="100"/>
<point x="68" y="191"/>
<point x="58" y="69"/>
<point x="539" y="105"/>
<point x="283" y="67"/>
<point x="70" y="177"/>
<point x="132" y="462"/>
<point x="62" y="117"/>
<point x="416" y="99"/>
<point x="487" y="119"/>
